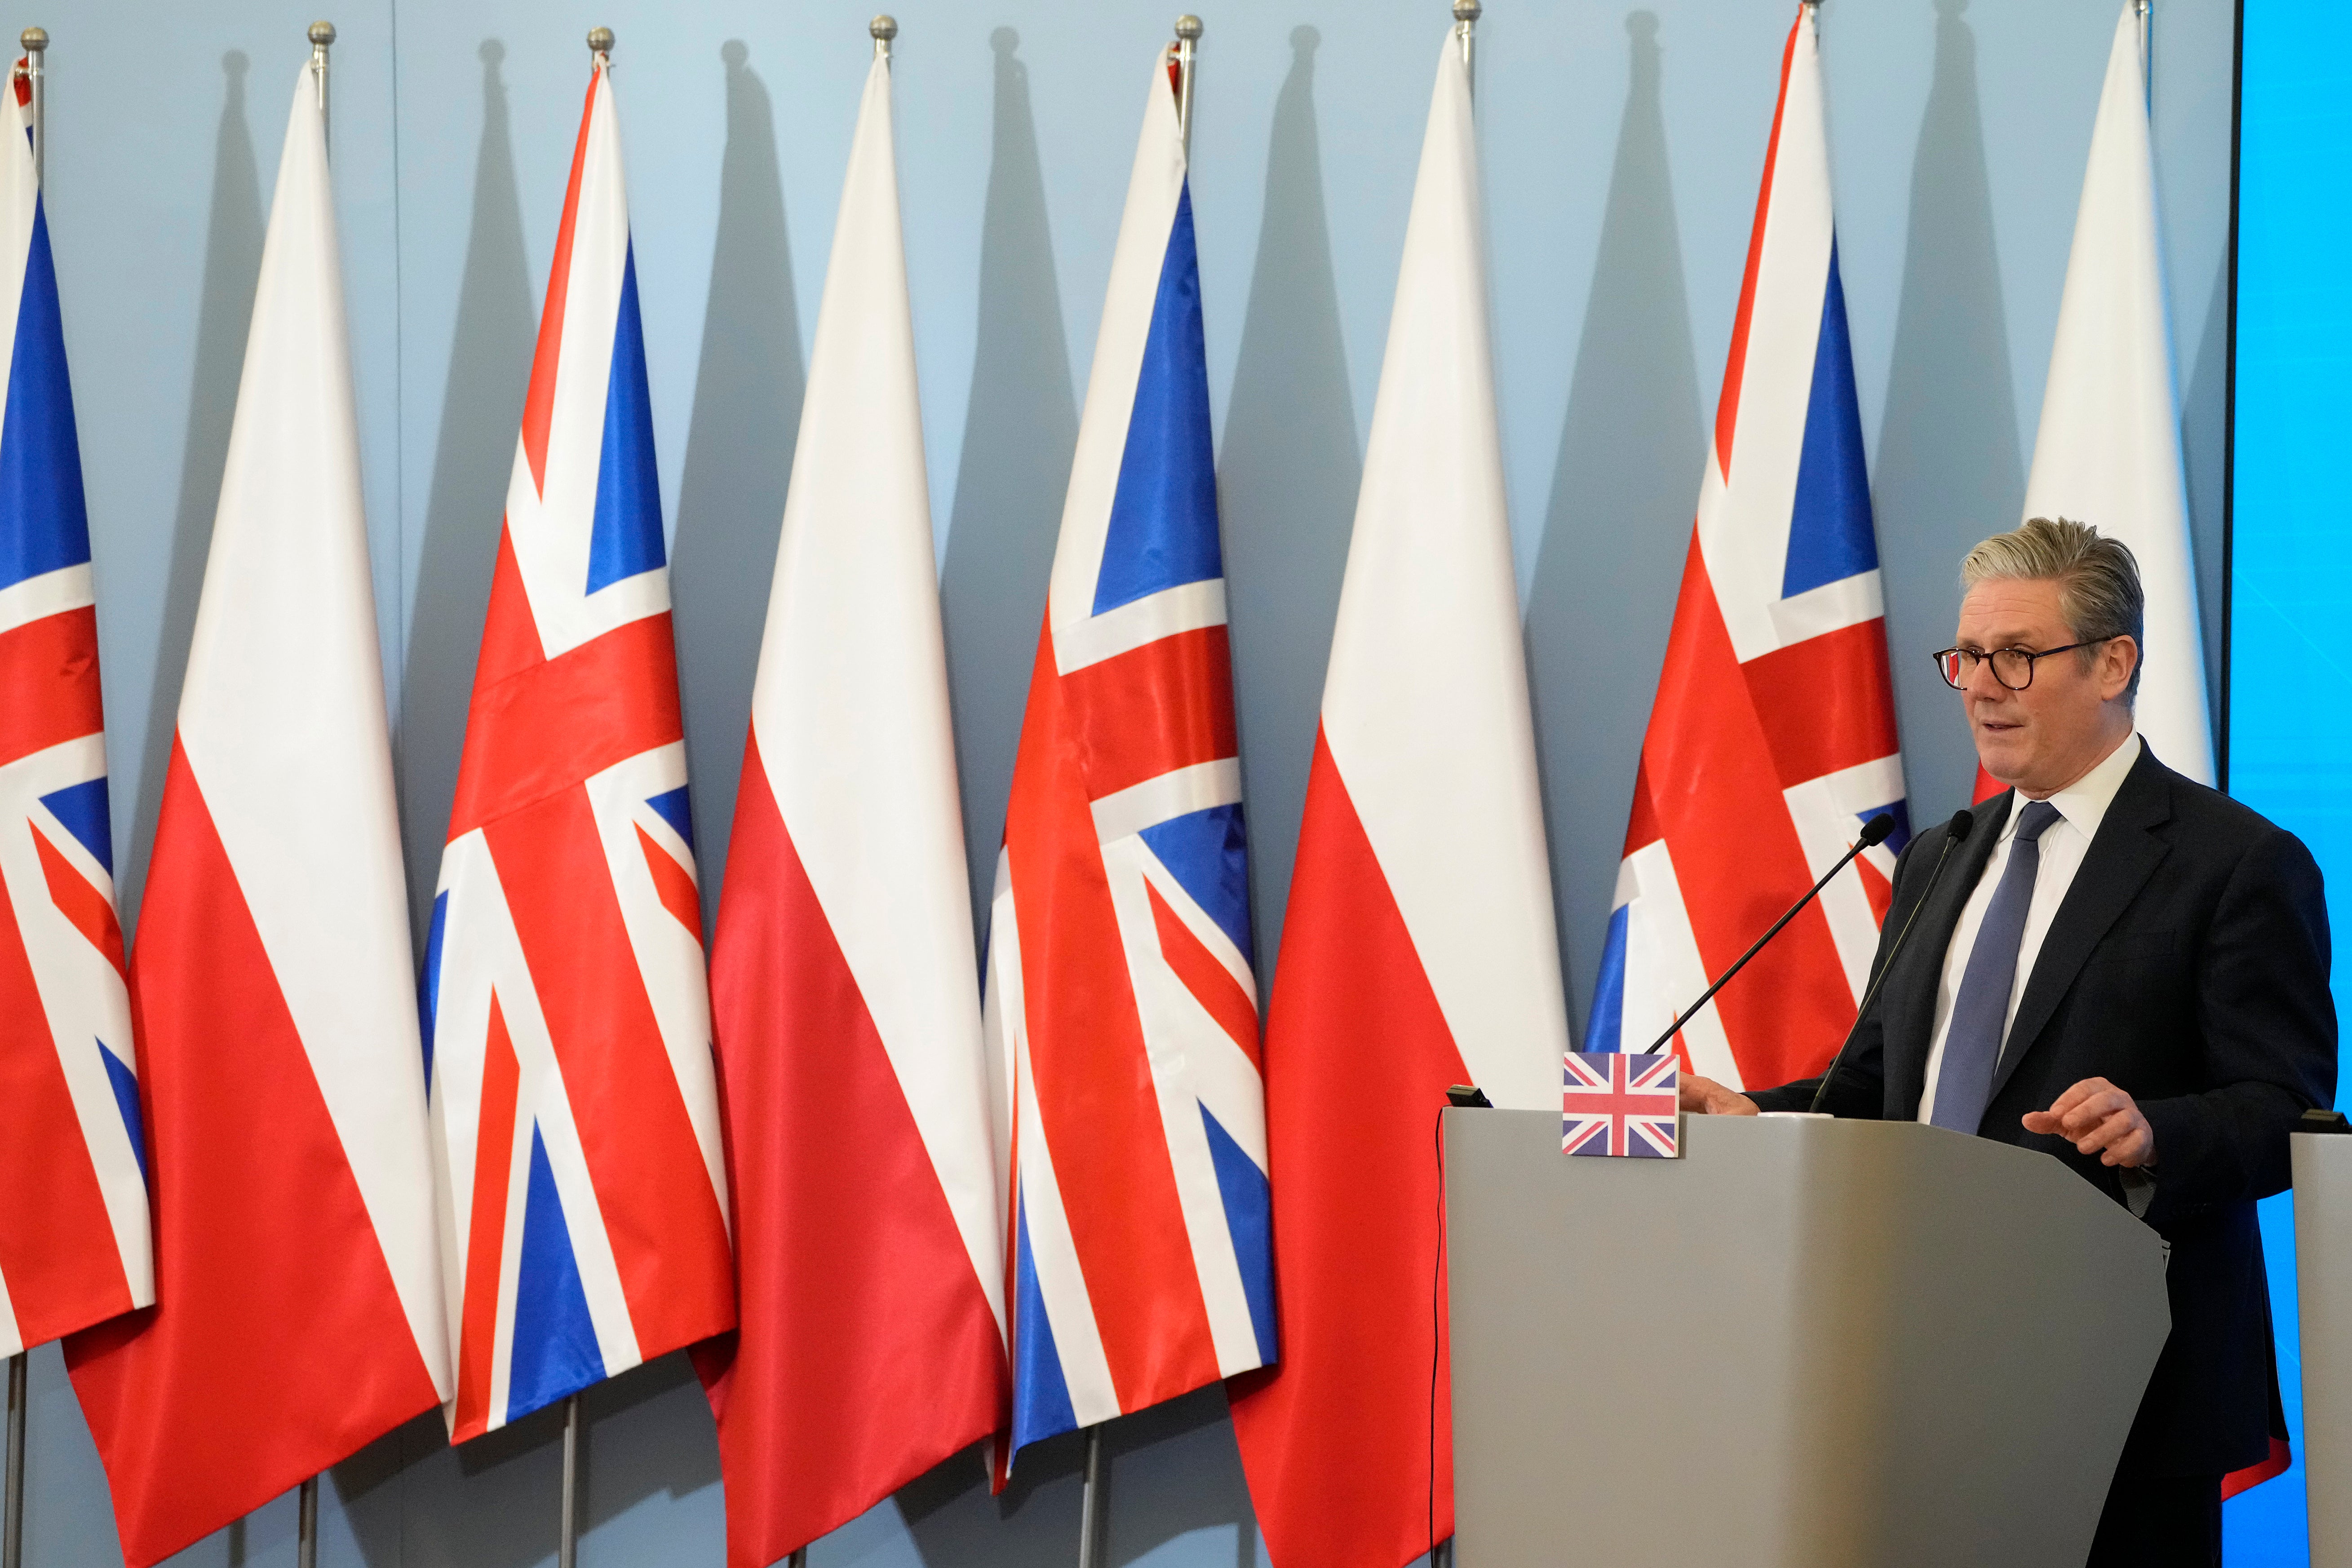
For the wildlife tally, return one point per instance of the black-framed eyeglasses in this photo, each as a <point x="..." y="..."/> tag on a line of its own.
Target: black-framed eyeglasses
<point x="2012" y="667"/>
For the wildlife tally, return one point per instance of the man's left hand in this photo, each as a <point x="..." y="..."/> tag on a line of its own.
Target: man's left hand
<point x="2102" y="1119"/>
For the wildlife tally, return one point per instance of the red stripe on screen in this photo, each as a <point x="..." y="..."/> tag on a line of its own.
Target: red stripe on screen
<point x="2275" y="1464"/>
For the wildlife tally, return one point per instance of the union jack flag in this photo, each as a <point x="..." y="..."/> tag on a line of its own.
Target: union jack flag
<point x="1121" y="1005"/>
<point x="1621" y="1104"/>
<point x="73" y="1192"/>
<point x="1773" y="733"/>
<point x="567" y="1021"/>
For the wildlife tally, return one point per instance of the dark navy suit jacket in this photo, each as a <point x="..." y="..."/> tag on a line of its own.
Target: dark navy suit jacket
<point x="2188" y="964"/>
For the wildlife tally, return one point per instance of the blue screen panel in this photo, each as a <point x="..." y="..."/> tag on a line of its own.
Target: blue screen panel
<point x="2290" y="731"/>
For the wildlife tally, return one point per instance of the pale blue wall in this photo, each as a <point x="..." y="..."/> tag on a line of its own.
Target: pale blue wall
<point x="1623" y="148"/>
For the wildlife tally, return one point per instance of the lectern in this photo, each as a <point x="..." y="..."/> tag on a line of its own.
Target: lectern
<point x="1806" y="1342"/>
<point x="2323" y="1263"/>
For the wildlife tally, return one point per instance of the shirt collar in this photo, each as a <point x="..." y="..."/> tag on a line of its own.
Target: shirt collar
<point x="2084" y="804"/>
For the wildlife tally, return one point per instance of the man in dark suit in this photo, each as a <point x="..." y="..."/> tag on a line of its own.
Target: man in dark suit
<point x="2121" y="967"/>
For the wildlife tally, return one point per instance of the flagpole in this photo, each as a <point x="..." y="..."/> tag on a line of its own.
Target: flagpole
<point x="36" y="43"/>
<point x="1187" y="39"/>
<point x="306" y="1528"/>
<point x="882" y="29"/>
<point x="1465" y="23"/>
<point x="2144" y="11"/>
<point x="567" y="1529"/>
<point x="321" y="35"/>
<point x="567" y="1533"/>
<point x="12" y="1542"/>
<point x="1091" y="1502"/>
<point x="306" y="1497"/>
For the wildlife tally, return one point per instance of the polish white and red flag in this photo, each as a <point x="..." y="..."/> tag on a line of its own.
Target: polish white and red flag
<point x="1419" y="950"/>
<point x="73" y="1189"/>
<point x="298" y="1309"/>
<point x="567" y="1019"/>
<point x="843" y="976"/>
<point x="1121" y="1001"/>
<point x="1772" y="738"/>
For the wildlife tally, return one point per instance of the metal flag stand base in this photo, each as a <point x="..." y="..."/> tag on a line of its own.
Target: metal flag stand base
<point x="306" y="1534"/>
<point x="567" y="1534"/>
<point x="1091" y="1501"/>
<point x="12" y="1535"/>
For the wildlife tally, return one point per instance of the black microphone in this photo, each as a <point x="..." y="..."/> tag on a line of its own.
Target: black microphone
<point x="1958" y="830"/>
<point x="1874" y="831"/>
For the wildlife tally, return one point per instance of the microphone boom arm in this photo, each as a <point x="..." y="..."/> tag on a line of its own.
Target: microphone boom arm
<point x="1874" y="832"/>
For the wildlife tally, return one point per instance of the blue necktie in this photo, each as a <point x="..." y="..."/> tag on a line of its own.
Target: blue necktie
<point x="1980" y="1012"/>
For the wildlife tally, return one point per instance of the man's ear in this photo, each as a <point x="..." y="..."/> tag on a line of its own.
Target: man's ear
<point x="2118" y="657"/>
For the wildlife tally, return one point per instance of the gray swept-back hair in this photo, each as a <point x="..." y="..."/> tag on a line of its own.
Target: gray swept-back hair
<point x="2098" y="580"/>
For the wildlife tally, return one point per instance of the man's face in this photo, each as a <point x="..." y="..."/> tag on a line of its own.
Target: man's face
<point x="2050" y="735"/>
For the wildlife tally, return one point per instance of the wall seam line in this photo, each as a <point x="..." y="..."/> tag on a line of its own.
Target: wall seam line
<point x="399" y="417"/>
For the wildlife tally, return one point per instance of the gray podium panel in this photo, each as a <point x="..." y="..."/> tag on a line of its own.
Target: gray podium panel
<point x="1806" y="1342"/>
<point x="2323" y="1273"/>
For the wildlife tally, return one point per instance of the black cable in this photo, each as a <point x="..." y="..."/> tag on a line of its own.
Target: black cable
<point x="1436" y="1325"/>
<point x="1956" y="832"/>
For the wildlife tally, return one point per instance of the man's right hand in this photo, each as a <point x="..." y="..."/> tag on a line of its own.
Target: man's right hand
<point x="1705" y="1096"/>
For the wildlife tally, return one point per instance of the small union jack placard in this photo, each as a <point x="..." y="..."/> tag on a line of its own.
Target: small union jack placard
<point x="1620" y="1104"/>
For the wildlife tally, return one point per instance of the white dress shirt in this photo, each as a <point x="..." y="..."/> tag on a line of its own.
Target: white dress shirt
<point x="2082" y="806"/>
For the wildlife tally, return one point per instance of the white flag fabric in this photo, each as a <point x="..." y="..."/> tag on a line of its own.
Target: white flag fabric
<point x="844" y="983"/>
<point x="300" y="1300"/>
<point x="2108" y="452"/>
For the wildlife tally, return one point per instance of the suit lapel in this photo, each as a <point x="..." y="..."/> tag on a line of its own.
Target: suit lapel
<point x="2121" y="859"/>
<point x="1910" y="999"/>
